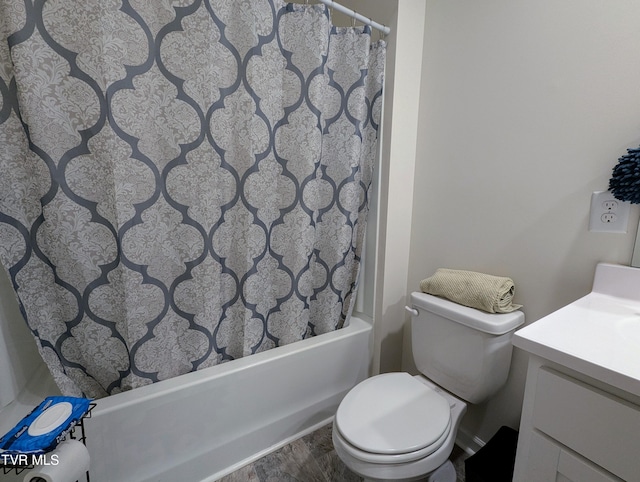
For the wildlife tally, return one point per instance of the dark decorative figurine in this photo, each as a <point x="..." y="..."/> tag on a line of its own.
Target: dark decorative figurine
<point x="625" y="180"/>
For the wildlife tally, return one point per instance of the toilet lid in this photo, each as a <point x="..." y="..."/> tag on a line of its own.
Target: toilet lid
<point x="393" y="414"/>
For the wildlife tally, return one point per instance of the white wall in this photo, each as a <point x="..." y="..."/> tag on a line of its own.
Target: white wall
<point x="399" y="143"/>
<point x="524" y="109"/>
<point x="399" y="146"/>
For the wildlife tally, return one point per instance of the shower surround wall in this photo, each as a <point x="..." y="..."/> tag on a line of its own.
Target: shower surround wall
<point x="182" y="185"/>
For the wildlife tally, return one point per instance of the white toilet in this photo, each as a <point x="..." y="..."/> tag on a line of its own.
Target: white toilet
<point x="396" y="426"/>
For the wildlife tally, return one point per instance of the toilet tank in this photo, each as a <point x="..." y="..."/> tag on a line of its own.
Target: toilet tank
<point x="465" y="351"/>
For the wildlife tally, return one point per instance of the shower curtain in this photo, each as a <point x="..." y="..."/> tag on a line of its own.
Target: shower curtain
<point x="181" y="182"/>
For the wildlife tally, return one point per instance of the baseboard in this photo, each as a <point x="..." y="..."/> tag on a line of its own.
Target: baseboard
<point x="469" y="443"/>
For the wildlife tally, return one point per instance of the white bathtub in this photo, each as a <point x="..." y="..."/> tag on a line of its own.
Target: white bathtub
<point x="204" y="425"/>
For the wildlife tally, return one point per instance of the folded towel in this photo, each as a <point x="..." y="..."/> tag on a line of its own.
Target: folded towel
<point x="476" y="290"/>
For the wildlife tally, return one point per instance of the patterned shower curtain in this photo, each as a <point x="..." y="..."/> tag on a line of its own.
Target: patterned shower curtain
<point x="181" y="182"/>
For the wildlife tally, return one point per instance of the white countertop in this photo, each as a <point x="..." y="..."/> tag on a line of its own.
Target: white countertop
<point x="597" y="335"/>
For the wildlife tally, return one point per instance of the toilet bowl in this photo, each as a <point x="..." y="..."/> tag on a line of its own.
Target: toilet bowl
<point x="400" y="427"/>
<point x="405" y="432"/>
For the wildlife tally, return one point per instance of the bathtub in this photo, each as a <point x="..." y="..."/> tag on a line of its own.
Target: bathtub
<point x="206" y="424"/>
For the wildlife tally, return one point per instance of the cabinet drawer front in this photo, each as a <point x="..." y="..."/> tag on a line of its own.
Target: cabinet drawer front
<point x="550" y="461"/>
<point x="595" y="424"/>
<point x="574" y="469"/>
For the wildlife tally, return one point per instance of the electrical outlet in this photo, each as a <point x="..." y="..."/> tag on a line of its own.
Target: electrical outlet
<point x="608" y="214"/>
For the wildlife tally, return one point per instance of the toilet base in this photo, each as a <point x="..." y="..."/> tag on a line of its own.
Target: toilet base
<point x="445" y="473"/>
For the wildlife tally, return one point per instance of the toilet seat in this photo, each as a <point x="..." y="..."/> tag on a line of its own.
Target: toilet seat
<point x="375" y="458"/>
<point x="393" y="418"/>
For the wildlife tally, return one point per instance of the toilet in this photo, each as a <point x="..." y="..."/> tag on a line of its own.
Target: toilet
<point x="400" y="427"/>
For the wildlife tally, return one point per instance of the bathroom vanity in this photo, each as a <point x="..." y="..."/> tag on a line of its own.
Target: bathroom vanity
<point x="581" y="412"/>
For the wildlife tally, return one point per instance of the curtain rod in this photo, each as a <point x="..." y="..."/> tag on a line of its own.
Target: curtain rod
<point x="353" y="14"/>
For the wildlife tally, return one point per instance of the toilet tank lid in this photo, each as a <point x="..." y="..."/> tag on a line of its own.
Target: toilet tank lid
<point x="492" y="323"/>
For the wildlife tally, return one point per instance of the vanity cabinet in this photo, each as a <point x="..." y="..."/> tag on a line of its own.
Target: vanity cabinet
<point x="574" y="431"/>
<point x="581" y="411"/>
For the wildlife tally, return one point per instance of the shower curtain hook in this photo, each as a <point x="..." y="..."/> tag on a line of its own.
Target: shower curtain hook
<point x="353" y="22"/>
<point x="382" y="34"/>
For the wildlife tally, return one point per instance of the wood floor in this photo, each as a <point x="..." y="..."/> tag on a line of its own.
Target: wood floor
<point x="311" y="459"/>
